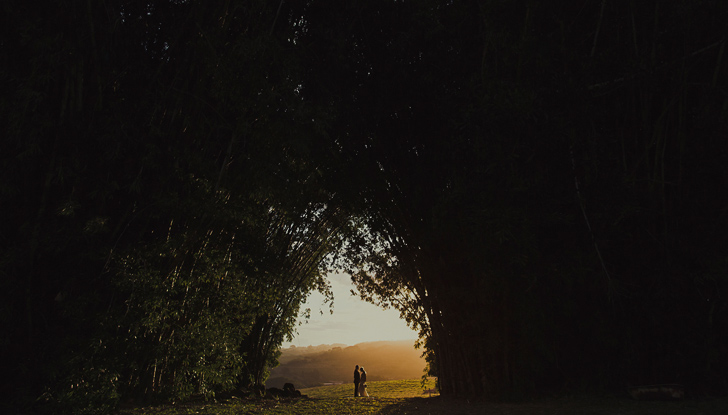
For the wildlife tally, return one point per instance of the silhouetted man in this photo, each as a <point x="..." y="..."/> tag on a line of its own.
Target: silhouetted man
<point x="356" y="381"/>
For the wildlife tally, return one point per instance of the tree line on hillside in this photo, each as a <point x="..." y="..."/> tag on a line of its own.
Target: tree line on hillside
<point x="294" y="352"/>
<point x="537" y="188"/>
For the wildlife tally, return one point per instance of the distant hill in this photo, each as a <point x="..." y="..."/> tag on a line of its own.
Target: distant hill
<point x="294" y="352"/>
<point x="311" y="366"/>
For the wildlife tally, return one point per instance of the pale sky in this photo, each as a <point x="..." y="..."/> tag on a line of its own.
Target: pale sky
<point x="353" y="321"/>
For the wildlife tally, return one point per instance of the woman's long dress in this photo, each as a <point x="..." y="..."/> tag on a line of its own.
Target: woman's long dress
<point x="363" y="385"/>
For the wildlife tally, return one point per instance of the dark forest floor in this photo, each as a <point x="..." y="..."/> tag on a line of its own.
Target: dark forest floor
<point x="584" y="405"/>
<point x="441" y="406"/>
<point x="407" y="397"/>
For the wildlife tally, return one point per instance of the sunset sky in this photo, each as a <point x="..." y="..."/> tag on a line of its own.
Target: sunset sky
<point x="353" y="321"/>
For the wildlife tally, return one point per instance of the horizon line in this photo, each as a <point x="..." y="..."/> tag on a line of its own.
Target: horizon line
<point x="349" y="345"/>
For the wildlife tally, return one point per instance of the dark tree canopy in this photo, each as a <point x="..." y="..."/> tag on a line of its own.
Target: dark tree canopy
<point x="536" y="188"/>
<point x="165" y="208"/>
<point x="542" y="184"/>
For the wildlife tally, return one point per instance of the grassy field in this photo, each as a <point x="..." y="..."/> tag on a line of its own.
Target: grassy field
<point x="337" y="399"/>
<point x="381" y="390"/>
<point x="406" y="397"/>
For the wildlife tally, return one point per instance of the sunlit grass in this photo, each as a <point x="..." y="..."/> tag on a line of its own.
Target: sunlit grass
<point x="388" y="389"/>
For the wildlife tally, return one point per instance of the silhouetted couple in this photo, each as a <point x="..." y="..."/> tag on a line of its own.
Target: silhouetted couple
<point x="360" y="382"/>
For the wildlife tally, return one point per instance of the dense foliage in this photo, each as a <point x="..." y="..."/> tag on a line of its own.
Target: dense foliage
<point x="536" y="187"/>
<point x="163" y="210"/>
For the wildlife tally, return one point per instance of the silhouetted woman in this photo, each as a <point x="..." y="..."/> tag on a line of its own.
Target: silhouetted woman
<point x="363" y="383"/>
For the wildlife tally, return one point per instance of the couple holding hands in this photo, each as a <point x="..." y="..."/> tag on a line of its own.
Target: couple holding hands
<point x="360" y="382"/>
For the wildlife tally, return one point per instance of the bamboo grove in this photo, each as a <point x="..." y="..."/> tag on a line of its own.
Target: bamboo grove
<point x="538" y="188"/>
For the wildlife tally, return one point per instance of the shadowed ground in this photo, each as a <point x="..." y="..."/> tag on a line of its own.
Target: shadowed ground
<point x="571" y="406"/>
<point x="406" y="397"/>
